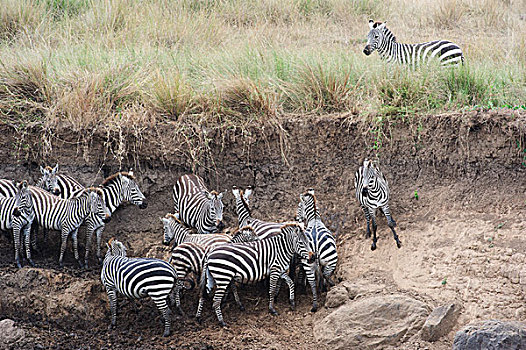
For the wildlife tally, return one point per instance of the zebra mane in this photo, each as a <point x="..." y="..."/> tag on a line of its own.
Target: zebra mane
<point x="94" y="189"/>
<point x="245" y="204"/>
<point x="48" y="168"/>
<point x="308" y="193"/>
<point x="112" y="178"/>
<point x="174" y="218"/>
<point x="291" y="224"/>
<point x="240" y="229"/>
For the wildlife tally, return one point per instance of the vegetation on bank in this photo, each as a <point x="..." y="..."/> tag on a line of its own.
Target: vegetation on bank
<point x="133" y="62"/>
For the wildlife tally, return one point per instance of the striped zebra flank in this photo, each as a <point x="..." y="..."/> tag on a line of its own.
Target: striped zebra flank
<point x="263" y="229"/>
<point x="196" y="207"/>
<point x="176" y="231"/>
<point x="380" y="38"/>
<point x="66" y="215"/>
<point x="253" y="262"/>
<point x="117" y="188"/>
<point x="188" y="258"/>
<point x="137" y="278"/>
<point x="8" y="188"/>
<point x="372" y="191"/>
<point x="17" y="214"/>
<point x="321" y="242"/>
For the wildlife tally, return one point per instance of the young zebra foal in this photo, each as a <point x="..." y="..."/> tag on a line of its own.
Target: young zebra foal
<point x="253" y="262"/>
<point x="372" y="191"/>
<point x="382" y="39"/>
<point x="137" y="278"/>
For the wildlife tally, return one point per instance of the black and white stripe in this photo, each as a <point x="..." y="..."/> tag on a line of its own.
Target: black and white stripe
<point x="17" y="213"/>
<point x="372" y="191"/>
<point x="188" y="258"/>
<point x="382" y="39"/>
<point x="263" y="229"/>
<point x="196" y="206"/>
<point x="66" y="215"/>
<point x="253" y="262"/>
<point x="321" y="242"/>
<point x="174" y="230"/>
<point x="8" y="188"/>
<point x="137" y="278"/>
<point x="61" y="185"/>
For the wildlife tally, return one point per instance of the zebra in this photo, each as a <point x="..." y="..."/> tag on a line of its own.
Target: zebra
<point x="253" y="262"/>
<point x="321" y="242"/>
<point x="263" y="229"/>
<point x="61" y="185"/>
<point x="174" y="230"/>
<point x="372" y="191"/>
<point x="382" y="39"/>
<point x="196" y="206"/>
<point x="137" y="278"/>
<point x="17" y="213"/>
<point x="66" y="215"/>
<point x="117" y="188"/>
<point x="188" y="257"/>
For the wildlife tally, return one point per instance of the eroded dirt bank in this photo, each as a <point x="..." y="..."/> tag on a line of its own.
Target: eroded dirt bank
<point x="465" y="229"/>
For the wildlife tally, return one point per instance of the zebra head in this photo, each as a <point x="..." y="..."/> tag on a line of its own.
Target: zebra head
<point x="216" y="208"/>
<point x="370" y="172"/>
<point x="307" y="209"/>
<point x="244" y="234"/>
<point x="23" y="201"/>
<point x="131" y="191"/>
<point x="115" y="248"/>
<point x="375" y="38"/>
<point x="173" y="229"/>
<point x="97" y="204"/>
<point x="48" y="181"/>
<point x="295" y="235"/>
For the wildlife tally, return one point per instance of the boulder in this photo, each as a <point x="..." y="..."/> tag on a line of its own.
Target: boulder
<point x="491" y="334"/>
<point x="440" y="322"/>
<point x="9" y="333"/>
<point x="336" y="296"/>
<point x="372" y="321"/>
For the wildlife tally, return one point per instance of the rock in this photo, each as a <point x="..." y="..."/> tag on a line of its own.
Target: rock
<point x="336" y="296"/>
<point x="491" y="334"/>
<point x="9" y="333"/>
<point x="372" y="321"/>
<point x="440" y="322"/>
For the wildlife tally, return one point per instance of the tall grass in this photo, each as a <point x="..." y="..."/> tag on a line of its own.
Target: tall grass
<point x="100" y="62"/>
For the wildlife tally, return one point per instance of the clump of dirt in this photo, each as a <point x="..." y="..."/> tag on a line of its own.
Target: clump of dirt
<point x="462" y="237"/>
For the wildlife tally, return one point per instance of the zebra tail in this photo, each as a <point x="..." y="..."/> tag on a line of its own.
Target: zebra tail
<point x="206" y="281"/>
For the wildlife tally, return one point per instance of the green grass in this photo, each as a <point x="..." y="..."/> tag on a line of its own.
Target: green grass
<point x="92" y="62"/>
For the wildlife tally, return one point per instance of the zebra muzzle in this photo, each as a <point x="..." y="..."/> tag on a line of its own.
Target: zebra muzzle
<point x="16" y="212"/>
<point x="106" y="219"/>
<point x="367" y="50"/>
<point x="143" y="205"/>
<point x="365" y="191"/>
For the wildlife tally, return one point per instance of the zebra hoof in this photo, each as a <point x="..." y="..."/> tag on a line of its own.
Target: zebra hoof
<point x="81" y="265"/>
<point x="222" y="324"/>
<point x="273" y="312"/>
<point x="198" y="319"/>
<point x="242" y="307"/>
<point x="31" y="262"/>
<point x="292" y="305"/>
<point x="314" y="308"/>
<point x="373" y="246"/>
<point x="399" y="244"/>
<point x="18" y="264"/>
<point x="166" y="333"/>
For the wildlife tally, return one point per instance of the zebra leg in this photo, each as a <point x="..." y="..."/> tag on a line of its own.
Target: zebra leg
<point x="274" y="277"/>
<point x="74" y="234"/>
<point x="98" y="233"/>
<point x="291" y="290"/>
<point x="165" y="311"/>
<point x="236" y="296"/>
<point x="112" y="298"/>
<point x="177" y="290"/>
<point x="218" y="296"/>
<point x="27" y="239"/>
<point x="16" y="237"/>
<point x="311" y="278"/>
<point x="392" y="224"/>
<point x="373" y="217"/>
<point x="89" y="235"/>
<point x="368" y="219"/>
<point x="64" y="237"/>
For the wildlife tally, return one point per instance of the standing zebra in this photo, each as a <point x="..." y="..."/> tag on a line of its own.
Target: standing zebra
<point x="196" y="206"/>
<point x="137" y="278"/>
<point x="17" y="213"/>
<point x="66" y="215"/>
<point x="253" y="262"/>
<point x="382" y="39"/>
<point x="188" y="257"/>
<point x="372" y="191"/>
<point x="321" y="242"/>
<point x="176" y="231"/>
<point x="263" y="229"/>
<point x="116" y="189"/>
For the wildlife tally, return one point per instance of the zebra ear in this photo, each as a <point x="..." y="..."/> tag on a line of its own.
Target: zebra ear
<point x="248" y="193"/>
<point x="371" y="24"/>
<point x="381" y="26"/>
<point x="220" y="196"/>
<point x="55" y="169"/>
<point x="42" y="170"/>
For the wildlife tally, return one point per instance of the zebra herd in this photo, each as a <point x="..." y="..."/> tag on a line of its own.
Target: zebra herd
<point x="257" y="250"/>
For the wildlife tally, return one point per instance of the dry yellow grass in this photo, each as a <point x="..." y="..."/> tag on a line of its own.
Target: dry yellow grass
<point x="101" y="62"/>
